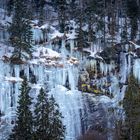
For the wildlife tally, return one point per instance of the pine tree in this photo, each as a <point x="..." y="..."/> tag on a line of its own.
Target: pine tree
<point x="82" y="40"/>
<point x="47" y="121"/>
<point x="10" y="5"/>
<point x="72" y="9"/>
<point x="41" y="12"/>
<point x="23" y="128"/>
<point x="131" y="103"/>
<point x="57" y="129"/>
<point x="61" y="8"/>
<point x="41" y="120"/>
<point x="90" y="10"/>
<point x="20" y="30"/>
<point x="133" y="14"/>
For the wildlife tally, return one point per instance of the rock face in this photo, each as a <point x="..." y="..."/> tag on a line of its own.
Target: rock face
<point x="137" y="52"/>
<point x="111" y="53"/>
<point x="84" y="76"/>
<point x="83" y="80"/>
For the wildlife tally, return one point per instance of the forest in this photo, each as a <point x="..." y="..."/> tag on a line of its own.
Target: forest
<point x="69" y="69"/>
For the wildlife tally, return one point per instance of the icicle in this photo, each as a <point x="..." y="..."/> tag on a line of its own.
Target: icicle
<point x="16" y="69"/>
<point x="129" y="64"/>
<point x="2" y="70"/>
<point x="123" y="70"/>
<point x="64" y="76"/>
<point x="37" y="35"/>
<point x="8" y="95"/>
<point x="27" y="72"/>
<point x="136" y="69"/>
<point x="71" y="46"/>
<point x="16" y="84"/>
<point x="51" y="76"/>
<point x="35" y="71"/>
<point x="2" y="99"/>
<point x="71" y="78"/>
<point x="91" y="46"/>
<point x="41" y="74"/>
<point x="63" y="50"/>
<point x="102" y="67"/>
<point x="50" y="45"/>
<point x="105" y="68"/>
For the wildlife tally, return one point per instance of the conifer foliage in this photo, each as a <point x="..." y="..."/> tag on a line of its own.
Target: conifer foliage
<point x="41" y="11"/>
<point x="23" y="128"/>
<point x="131" y="103"/>
<point x="61" y="7"/>
<point x="20" y="30"/>
<point x="47" y="121"/>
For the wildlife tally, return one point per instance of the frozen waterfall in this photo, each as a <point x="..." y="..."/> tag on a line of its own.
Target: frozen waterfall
<point x="69" y="100"/>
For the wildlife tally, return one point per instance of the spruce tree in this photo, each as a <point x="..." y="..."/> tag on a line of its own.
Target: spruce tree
<point x="82" y="35"/>
<point x="61" y="7"/>
<point x="41" y="120"/>
<point x="133" y="14"/>
<point x="72" y="9"/>
<point x="47" y="120"/>
<point x="131" y="103"/>
<point x="23" y="128"/>
<point x="41" y="11"/>
<point x="20" y="30"/>
<point x="10" y="5"/>
<point x="56" y="128"/>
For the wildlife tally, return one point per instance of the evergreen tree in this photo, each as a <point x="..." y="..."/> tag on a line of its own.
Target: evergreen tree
<point x="41" y="120"/>
<point x="23" y="128"/>
<point x="41" y="11"/>
<point x="20" y="30"/>
<point x="133" y="14"/>
<point x="90" y="11"/>
<point x="57" y="129"/>
<point x="61" y="8"/>
<point x="47" y="121"/>
<point x="131" y="103"/>
<point x="82" y="35"/>
<point x="72" y="9"/>
<point x="10" y="5"/>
